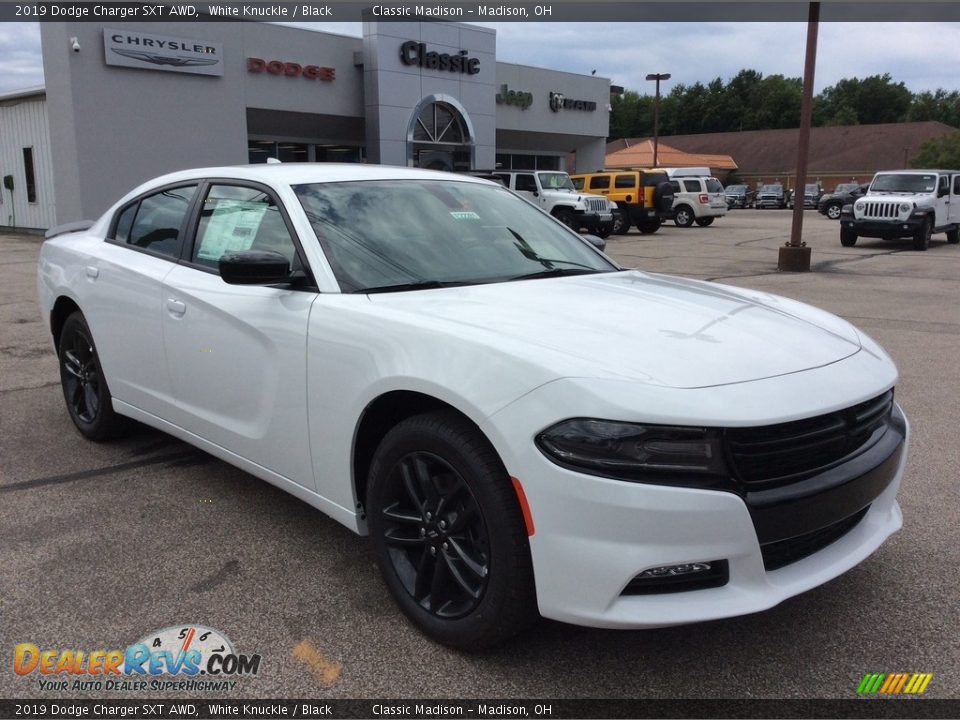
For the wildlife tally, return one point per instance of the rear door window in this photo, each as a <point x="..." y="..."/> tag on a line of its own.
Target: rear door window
<point x="158" y="223"/>
<point x="600" y="182"/>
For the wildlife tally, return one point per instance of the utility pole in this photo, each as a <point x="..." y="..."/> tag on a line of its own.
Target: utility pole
<point x="656" y="112"/>
<point x="795" y="255"/>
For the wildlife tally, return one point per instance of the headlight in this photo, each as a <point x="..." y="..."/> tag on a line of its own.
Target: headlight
<point x="906" y="207"/>
<point x="859" y="205"/>
<point x="639" y="453"/>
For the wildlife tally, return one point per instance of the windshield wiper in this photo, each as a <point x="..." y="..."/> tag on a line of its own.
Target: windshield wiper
<point x="558" y="272"/>
<point x="417" y="285"/>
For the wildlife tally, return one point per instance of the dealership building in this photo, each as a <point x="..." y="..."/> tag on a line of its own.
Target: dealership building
<point x="124" y="102"/>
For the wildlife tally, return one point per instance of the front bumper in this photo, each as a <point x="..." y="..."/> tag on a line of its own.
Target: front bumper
<point x="594" y="535"/>
<point x="592" y="221"/>
<point x="888" y="229"/>
<point x="770" y="203"/>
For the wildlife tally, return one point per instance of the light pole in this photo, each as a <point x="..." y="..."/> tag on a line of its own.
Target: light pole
<point x="656" y="111"/>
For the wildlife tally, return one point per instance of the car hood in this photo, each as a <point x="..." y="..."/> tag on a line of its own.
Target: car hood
<point x="651" y="328"/>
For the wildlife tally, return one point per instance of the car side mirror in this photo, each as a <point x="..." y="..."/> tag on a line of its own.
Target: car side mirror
<point x="943" y="192"/>
<point x="254" y="267"/>
<point x="536" y="194"/>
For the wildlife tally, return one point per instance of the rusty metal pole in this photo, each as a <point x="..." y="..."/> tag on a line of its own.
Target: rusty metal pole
<point x="656" y="112"/>
<point x="795" y="255"/>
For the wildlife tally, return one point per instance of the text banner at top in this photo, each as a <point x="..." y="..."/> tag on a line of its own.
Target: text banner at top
<point x="561" y="11"/>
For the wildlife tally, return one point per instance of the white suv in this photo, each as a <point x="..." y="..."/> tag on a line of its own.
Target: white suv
<point x="553" y="192"/>
<point x="905" y="203"/>
<point x="698" y="197"/>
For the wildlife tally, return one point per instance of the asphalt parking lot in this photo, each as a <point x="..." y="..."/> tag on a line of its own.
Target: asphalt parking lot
<point x="103" y="543"/>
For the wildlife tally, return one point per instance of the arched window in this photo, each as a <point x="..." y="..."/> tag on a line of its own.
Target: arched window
<point x="440" y="122"/>
<point x="440" y="135"/>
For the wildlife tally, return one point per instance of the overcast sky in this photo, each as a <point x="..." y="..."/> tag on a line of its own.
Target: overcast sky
<point x="924" y="56"/>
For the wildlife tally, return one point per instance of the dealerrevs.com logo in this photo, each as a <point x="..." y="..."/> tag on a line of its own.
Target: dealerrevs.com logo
<point x="894" y="683"/>
<point x="190" y="658"/>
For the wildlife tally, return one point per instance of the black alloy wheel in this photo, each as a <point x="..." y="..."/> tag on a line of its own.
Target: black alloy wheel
<point x="437" y="538"/>
<point x="84" y="385"/>
<point x="448" y="532"/>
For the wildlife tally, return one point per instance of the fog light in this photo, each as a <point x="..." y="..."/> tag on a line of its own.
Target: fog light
<point x="672" y="570"/>
<point x="679" y="578"/>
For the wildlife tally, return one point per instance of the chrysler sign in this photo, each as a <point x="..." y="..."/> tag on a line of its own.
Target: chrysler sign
<point x="160" y="52"/>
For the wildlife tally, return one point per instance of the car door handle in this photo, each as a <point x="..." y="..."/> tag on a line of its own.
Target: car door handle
<point x="176" y="306"/>
<point x="92" y="272"/>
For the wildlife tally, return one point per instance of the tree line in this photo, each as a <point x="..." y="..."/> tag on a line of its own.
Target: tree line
<point x="751" y="101"/>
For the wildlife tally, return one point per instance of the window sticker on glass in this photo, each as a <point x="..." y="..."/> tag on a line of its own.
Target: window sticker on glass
<point x="464" y="215"/>
<point x="233" y="226"/>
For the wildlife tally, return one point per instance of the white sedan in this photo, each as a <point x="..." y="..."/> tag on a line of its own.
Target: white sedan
<point x="520" y="425"/>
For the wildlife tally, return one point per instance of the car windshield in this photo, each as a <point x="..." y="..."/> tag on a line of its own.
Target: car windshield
<point x="904" y="183"/>
<point x="386" y="235"/>
<point x="736" y="189"/>
<point x="772" y="188"/>
<point x="714" y="186"/>
<point x="811" y="188"/>
<point x="555" y="181"/>
<point x="846" y="187"/>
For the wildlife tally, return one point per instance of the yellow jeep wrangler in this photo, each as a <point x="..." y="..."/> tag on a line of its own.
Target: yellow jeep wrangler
<point x="644" y="197"/>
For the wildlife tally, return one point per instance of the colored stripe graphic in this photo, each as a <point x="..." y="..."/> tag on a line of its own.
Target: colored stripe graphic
<point x="894" y="683"/>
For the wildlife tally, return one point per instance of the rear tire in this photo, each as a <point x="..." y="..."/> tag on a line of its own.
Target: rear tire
<point x="848" y="238"/>
<point x="85" y="389"/>
<point x="604" y="231"/>
<point x="683" y="216"/>
<point x="705" y="221"/>
<point x="448" y="532"/>
<point x="953" y="236"/>
<point x="648" y="227"/>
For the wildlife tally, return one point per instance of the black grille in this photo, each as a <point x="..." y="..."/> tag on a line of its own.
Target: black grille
<point x="772" y="455"/>
<point x="783" y="552"/>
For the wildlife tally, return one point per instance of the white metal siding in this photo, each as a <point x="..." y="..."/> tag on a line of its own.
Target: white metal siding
<point x="23" y="123"/>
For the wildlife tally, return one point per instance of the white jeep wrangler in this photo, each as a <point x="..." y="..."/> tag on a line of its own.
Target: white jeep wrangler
<point x="905" y="203"/>
<point x="553" y="192"/>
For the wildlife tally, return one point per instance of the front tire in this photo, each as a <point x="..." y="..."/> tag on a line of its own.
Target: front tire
<point x="848" y="238"/>
<point x="683" y="216"/>
<point x="567" y="218"/>
<point x="921" y="241"/>
<point x="953" y="236"/>
<point x="833" y="211"/>
<point x="448" y="532"/>
<point x="85" y="389"/>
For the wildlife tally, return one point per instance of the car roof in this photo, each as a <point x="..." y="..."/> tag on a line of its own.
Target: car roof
<point x="302" y="173"/>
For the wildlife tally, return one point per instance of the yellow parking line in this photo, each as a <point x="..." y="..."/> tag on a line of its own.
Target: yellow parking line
<point x="325" y="670"/>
